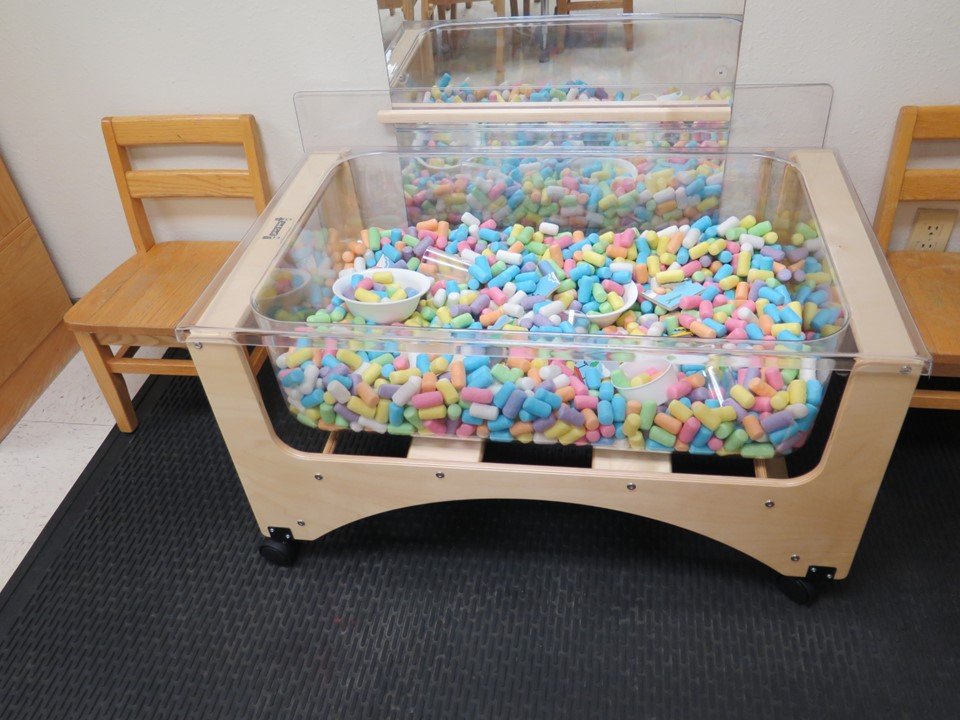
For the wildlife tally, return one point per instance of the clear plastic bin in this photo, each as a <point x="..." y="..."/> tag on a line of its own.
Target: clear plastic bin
<point x="732" y="369"/>
<point x="662" y="58"/>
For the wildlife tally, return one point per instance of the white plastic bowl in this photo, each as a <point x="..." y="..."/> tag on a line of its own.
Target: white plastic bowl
<point x="630" y="295"/>
<point x="656" y="389"/>
<point x="269" y="302"/>
<point x="388" y="311"/>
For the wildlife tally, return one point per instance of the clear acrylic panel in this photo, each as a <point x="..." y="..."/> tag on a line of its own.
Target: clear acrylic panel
<point x="566" y="58"/>
<point x="764" y="116"/>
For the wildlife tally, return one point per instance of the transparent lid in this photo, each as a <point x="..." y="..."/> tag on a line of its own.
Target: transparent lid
<point x="278" y="288"/>
<point x="654" y="58"/>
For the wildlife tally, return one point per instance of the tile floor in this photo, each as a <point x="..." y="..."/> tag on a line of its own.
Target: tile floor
<point x="45" y="453"/>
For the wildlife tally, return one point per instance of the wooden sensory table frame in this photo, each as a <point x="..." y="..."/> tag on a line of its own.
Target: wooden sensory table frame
<point x="791" y="524"/>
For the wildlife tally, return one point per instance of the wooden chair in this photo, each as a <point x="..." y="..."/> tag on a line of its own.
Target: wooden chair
<point x="406" y="7"/>
<point x="441" y="6"/>
<point x="930" y="282"/>
<point x="427" y="8"/>
<point x="141" y="302"/>
<point x="564" y="7"/>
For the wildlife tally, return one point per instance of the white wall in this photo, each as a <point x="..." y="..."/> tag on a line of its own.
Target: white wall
<point x="66" y="65"/>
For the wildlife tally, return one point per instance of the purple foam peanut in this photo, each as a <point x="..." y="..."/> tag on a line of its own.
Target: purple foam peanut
<point x="525" y="322"/>
<point x="784" y="275"/>
<point x="548" y="385"/>
<point x="341" y="369"/>
<point x="477" y="306"/>
<point x="348" y="293"/>
<point x="528" y="266"/>
<point x="789" y="444"/>
<point x="799" y="276"/>
<point x="539" y="319"/>
<point x="796" y="254"/>
<point x="511" y="408"/>
<point x="737" y="408"/>
<point x="356" y="377"/>
<point x="452" y="426"/>
<point x="421" y="247"/>
<point x="570" y="415"/>
<point x="700" y="393"/>
<point x="776" y="421"/>
<point x="749" y="374"/>
<point x="543" y="424"/>
<point x="528" y="302"/>
<point x="345" y="412"/>
<point x="386" y="391"/>
<point x="755" y="288"/>
<point x="772" y="252"/>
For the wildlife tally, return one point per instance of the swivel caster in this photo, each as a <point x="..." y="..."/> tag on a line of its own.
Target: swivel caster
<point x="800" y="590"/>
<point x="280" y="548"/>
<point x="805" y="590"/>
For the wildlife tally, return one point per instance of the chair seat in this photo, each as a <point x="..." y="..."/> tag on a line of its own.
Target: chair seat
<point x="930" y="283"/>
<point x="150" y="293"/>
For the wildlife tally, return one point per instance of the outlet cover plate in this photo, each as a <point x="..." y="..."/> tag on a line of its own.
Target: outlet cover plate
<point x="931" y="229"/>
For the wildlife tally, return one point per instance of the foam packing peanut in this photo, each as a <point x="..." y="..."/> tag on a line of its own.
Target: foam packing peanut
<point x="584" y="408"/>
<point x="753" y="411"/>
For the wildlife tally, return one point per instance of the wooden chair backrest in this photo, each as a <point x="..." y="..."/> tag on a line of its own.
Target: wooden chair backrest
<point x="121" y="133"/>
<point x="934" y="122"/>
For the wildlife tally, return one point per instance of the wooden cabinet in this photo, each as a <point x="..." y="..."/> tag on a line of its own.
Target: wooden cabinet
<point x="32" y="303"/>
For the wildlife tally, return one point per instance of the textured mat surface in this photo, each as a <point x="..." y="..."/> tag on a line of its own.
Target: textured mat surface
<point x="145" y="599"/>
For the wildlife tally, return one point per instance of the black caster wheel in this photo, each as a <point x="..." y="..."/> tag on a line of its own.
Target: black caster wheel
<point x="279" y="552"/>
<point x="801" y="591"/>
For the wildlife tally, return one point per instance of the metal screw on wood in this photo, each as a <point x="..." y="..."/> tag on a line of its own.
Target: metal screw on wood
<point x="795" y="558"/>
<point x="829" y="576"/>
<point x="198" y="345"/>
<point x="318" y="476"/>
<point x="905" y="370"/>
<point x="440" y="476"/>
<point x="769" y="503"/>
<point x="631" y="486"/>
<point x="301" y="523"/>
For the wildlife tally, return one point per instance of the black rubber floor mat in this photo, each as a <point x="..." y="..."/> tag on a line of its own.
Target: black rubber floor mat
<point x="145" y="598"/>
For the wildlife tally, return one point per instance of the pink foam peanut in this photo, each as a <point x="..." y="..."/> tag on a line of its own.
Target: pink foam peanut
<point x="581" y="402"/>
<point x="762" y="404"/>
<point x="437" y="427"/>
<point x="689" y="430"/>
<point x="427" y="400"/>
<point x="484" y="396"/>
<point x="773" y="378"/>
<point x="679" y="389"/>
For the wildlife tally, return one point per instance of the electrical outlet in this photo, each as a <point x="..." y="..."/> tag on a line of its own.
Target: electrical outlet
<point x="931" y="229"/>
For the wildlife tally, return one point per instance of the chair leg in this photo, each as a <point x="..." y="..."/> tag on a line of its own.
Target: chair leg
<point x="112" y="385"/>
<point x="628" y="8"/>
<point x="257" y="357"/>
